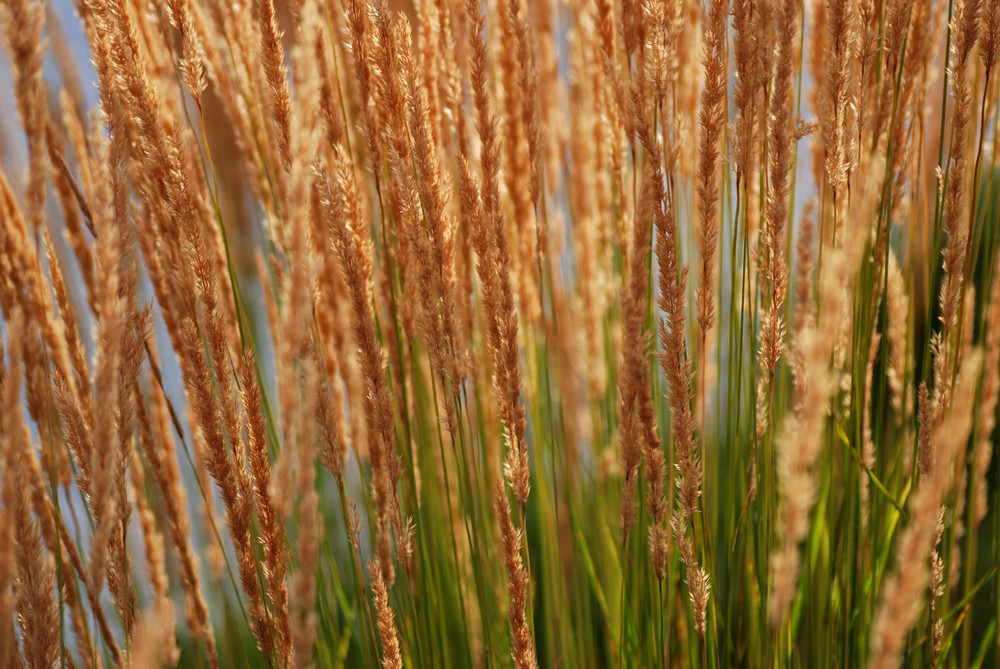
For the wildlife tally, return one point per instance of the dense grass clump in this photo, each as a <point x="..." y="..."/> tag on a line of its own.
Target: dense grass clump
<point x="479" y="333"/>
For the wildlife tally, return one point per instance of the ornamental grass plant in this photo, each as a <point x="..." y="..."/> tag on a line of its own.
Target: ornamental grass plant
<point x="490" y="333"/>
